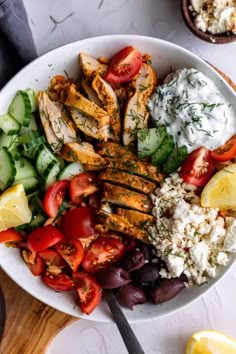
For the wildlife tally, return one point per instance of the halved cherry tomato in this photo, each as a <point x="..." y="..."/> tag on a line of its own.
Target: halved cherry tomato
<point x="10" y="235"/>
<point x="103" y="252"/>
<point x="43" y="237"/>
<point x="198" y="167"/>
<point x="81" y="186"/>
<point x="60" y="282"/>
<point x="124" y="65"/>
<point x="37" y="267"/>
<point x="225" y="152"/>
<point x="78" y="222"/>
<point x="54" y="197"/>
<point x="95" y="200"/>
<point x="72" y="251"/>
<point x="88" y="290"/>
<point x="52" y="258"/>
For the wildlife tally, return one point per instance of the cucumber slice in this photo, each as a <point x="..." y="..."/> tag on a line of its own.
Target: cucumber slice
<point x="7" y="169"/>
<point x="33" y="99"/>
<point x="175" y="159"/>
<point x="45" y="157"/>
<point x="16" y="154"/>
<point x="31" y="127"/>
<point x="29" y="136"/>
<point x="24" y="169"/>
<point x="71" y="170"/>
<point x="34" y="143"/>
<point x="164" y="151"/>
<point x="149" y="140"/>
<point x="11" y="142"/>
<point x="20" y="108"/>
<point x="9" y="125"/>
<point x="51" y="173"/>
<point x="31" y="153"/>
<point x="31" y="184"/>
<point x="37" y="220"/>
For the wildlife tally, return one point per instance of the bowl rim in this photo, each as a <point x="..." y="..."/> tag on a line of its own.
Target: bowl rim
<point x="122" y="37"/>
<point x="205" y="36"/>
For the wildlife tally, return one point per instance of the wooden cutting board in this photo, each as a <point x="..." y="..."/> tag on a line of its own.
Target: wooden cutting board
<point x="31" y="325"/>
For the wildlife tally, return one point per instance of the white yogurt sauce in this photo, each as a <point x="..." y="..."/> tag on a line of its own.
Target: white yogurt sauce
<point x="193" y="109"/>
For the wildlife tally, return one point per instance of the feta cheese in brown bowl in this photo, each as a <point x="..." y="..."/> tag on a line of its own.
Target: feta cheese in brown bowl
<point x="211" y="20"/>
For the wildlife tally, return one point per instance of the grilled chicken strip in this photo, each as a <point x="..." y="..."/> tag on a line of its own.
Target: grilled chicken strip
<point x="136" y="218"/>
<point x="91" y="66"/>
<point x="116" y="223"/>
<point x="110" y="103"/>
<point x="143" y="169"/>
<point x="88" y="108"/>
<point x="82" y="152"/>
<point x="90" y="93"/>
<point x="110" y="149"/>
<point x="125" y="198"/>
<point x="127" y="180"/>
<point x="136" y="113"/>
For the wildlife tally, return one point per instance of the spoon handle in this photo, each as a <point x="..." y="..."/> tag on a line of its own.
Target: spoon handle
<point x="129" y="338"/>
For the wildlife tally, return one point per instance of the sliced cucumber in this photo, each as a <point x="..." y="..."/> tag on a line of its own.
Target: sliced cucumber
<point x="11" y="142"/>
<point x="175" y="159"/>
<point x="35" y="204"/>
<point x="149" y="140"/>
<point x="164" y="151"/>
<point x="37" y="220"/>
<point x="24" y="169"/>
<point x="34" y="143"/>
<point x="71" y="170"/>
<point x="51" y="173"/>
<point x="7" y="169"/>
<point x="20" y="108"/>
<point x="29" y="136"/>
<point x="9" y="125"/>
<point x="31" y="184"/>
<point x="31" y="127"/>
<point x="16" y="154"/>
<point x="45" y="157"/>
<point x="33" y="99"/>
<point x="31" y="153"/>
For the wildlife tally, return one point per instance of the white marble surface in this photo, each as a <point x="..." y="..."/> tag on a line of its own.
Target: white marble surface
<point x="56" y="22"/>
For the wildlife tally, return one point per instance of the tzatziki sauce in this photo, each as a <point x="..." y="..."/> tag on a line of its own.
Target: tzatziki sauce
<point x="193" y="109"/>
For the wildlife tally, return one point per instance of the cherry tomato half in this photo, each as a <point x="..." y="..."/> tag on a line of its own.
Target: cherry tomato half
<point x="225" y="152"/>
<point x="60" y="282"/>
<point x="43" y="237"/>
<point x="81" y="186"/>
<point x="103" y="252"/>
<point x="52" y="258"/>
<point x="72" y="251"/>
<point x="89" y="292"/>
<point x="37" y="267"/>
<point x="78" y="223"/>
<point x="9" y="236"/>
<point x="124" y="65"/>
<point x="54" y="197"/>
<point x="198" y="167"/>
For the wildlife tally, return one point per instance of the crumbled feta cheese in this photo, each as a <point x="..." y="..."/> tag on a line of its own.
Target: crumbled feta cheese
<point x="199" y="254"/>
<point x="175" y="265"/>
<point x="230" y="237"/>
<point x="222" y="258"/>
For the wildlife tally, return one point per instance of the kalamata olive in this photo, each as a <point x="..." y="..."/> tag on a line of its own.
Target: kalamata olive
<point x="147" y="274"/>
<point x="147" y="250"/>
<point x="130" y="295"/>
<point x="133" y="260"/>
<point x="166" y="290"/>
<point x="113" y="277"/>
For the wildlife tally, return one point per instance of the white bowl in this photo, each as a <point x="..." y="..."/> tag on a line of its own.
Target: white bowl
<point x="165" y="57"/>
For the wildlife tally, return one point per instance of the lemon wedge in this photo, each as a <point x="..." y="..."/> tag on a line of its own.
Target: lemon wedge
<point x="14" y="209"/>
<point x="220" y="191"/>
<point x="210" y="342"/>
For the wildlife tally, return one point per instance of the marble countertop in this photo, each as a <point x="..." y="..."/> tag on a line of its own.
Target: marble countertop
<point x="57" y="22"/>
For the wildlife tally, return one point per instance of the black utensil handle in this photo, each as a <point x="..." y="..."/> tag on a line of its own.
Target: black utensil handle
<point x="126" y="331"/>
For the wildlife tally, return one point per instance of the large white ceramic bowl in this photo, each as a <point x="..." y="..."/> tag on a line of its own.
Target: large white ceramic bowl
<point x="165" y="57"/>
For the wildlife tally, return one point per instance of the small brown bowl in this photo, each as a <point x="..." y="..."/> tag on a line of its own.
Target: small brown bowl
<point x="222" y="38"/>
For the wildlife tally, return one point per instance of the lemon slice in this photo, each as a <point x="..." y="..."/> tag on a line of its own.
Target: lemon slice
<point x="210" y="342"/>
<point x="220" y="191"/>
<point x="14" y="209"/>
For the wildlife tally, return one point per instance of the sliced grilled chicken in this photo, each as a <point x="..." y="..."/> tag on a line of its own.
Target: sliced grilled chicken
<point x="110" y="103"/>
<point x="114" y="150"/>
<point x="89" y="126"/>
<point x="90" y="93"/>
<point x="94" y="167"/>
<point x="136" y="218"/>
<point x="140" y="168"/>
<point x="125" y="198"/>
<point x="91" y="66"/>
<point x="88" y="108"/>
<point x="136" y="113"/>
<point x="127" y="180"/>
<point x="116" y="223"/>
<point x="82" y="152"/>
